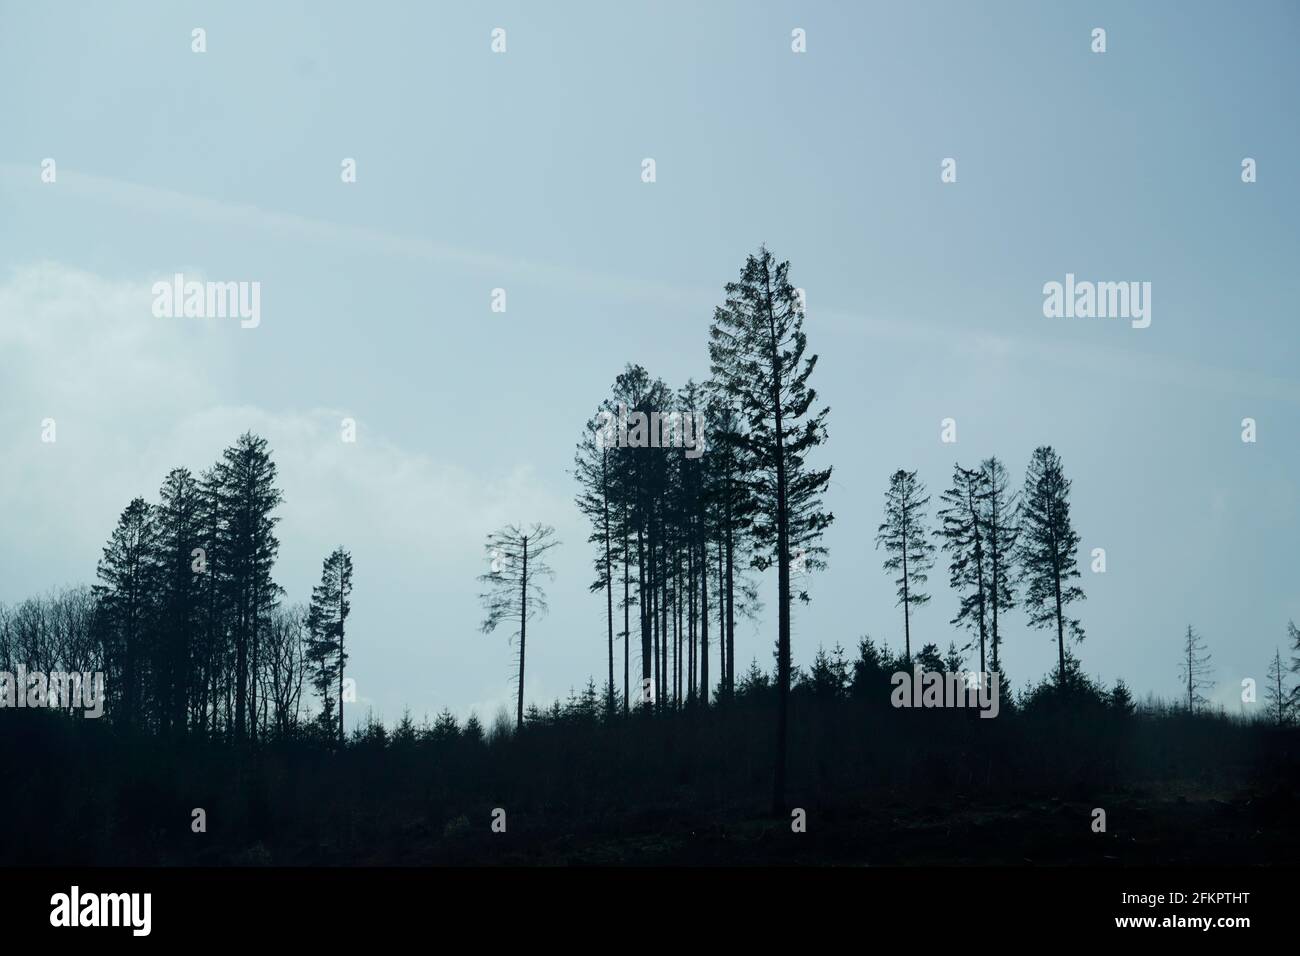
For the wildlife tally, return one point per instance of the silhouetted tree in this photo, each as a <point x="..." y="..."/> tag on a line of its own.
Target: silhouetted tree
<point x="731" y="502"/>
<point x="125" y="594"/>
<point x="1194" y="669"/>
<point x="249" y="546"/>
<point x="514" y="593"/>
<point x="286" y="670"/>
<point x="326" y="625"/>
<point x="445" y="730"/>
<point x="756" y="352"/>
<point x="906" y="537"/>
<point x="212" y="637"/>
<point x="178" y="519"/>
<point x="964" y="536"/>
<point x="1279" y="704"/>
<point x="1048" y="551"/>
<point x="473" y="730"/>
<point x="1001" y="518"/>
<point x="1121" y="699"/>
<point x="1293" y="633"/>
<point x="594" y="469"/>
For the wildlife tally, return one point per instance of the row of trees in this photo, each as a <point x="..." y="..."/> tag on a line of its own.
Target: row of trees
<point x="186" y="619"/>
<point x="1282" y="702"/>
<point x="998" y="541"/>
<point x="676" y="530"/>
<point x="190" y="625"/>
<point x="663" y="520"/>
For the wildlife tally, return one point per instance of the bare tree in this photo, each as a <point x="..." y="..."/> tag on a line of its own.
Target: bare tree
<point x="286" y="666"/>
<point x="1195" y="669"/>
<point x="1279" y="703"/>
<point x="512" y="592"/>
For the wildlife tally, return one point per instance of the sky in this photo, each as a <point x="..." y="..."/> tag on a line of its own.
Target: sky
<point x="522" y="170"/>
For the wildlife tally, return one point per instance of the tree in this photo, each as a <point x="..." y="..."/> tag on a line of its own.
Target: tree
<point x="446" y="730"/>
<point x="1279" y="704"/>
<point x="964" y="535"/>
<point x="513" y="591"/>
<point x="1001" y="518"/>
<point x="178" y="532"/>
<point x="248" y="496"/>
<point x="756" y="352"/>
<point x="731" y="502"/>
<point x="126" y="574"/>
<point x="326" y="623"/>
<point x="1048" y="551"/>
<point x="906" y="537"/>
<point x="1293" y="633"/>
<point x="1121" y="699"/>
<point x="1194" y="669"/>
<point x="286" y="651"/>
<point x="594" y="469"/>
<point x="213" y="634"/>
<point x="639" y="483"/>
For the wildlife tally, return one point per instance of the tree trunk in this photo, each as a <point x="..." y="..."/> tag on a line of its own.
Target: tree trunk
<point x="523" y="628"/>
<point x="627" y="632"/>
<point x="609" y="580"/>
<point x="704" y="621"/>
<point x="731" y="610"/>
<point x="783" y="573"/>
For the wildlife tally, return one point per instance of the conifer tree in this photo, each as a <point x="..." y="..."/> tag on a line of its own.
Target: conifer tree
<point x="594" y="467"/>
<point x="125" y="596"/>
<point x="1001" y="519"/>
<point x="326" y="625"/>
<point x="249" y="497"/>
<point x="905" y="535"/>
<point x="964" y="538"/>
<point x="178" y="533"/>
<point x="756" y="351"/>
<point x="1048" y="552"/>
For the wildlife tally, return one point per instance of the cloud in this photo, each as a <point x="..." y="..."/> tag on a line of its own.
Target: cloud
<point x="133" y="396"/>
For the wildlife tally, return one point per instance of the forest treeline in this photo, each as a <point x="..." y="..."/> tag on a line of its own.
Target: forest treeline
<point x="186" y="621"/>
<point x="692" y="495"/>
<point x="583" y="785"/>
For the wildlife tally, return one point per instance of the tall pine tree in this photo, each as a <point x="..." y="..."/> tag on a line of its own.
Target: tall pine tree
<point x="964" y="538"/>
<point x="756" y="351"/>
<point x="326" y="626"/>
<point x="905" y="535"/>
<point x="248" y="547"/>
<point x="1001" y="518"/>
<point x="1048" y="552"/>
<point x="126" y="594"/>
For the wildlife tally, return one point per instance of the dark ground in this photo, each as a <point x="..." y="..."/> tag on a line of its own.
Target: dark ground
<point x="937" y="787"/>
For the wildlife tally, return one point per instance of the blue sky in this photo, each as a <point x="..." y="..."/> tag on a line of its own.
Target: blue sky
<point x="522" y="171"/>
